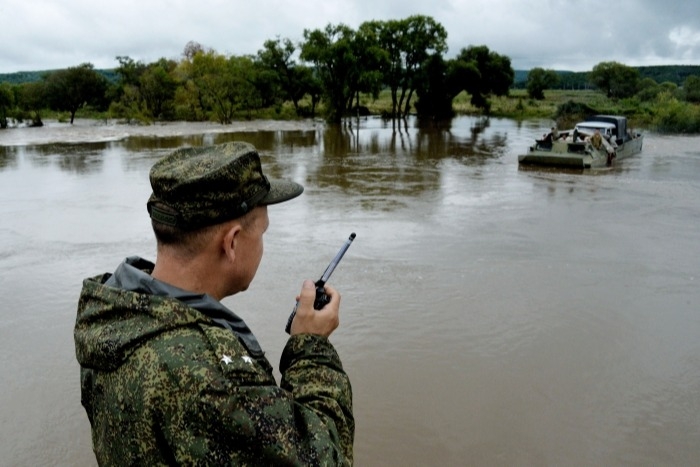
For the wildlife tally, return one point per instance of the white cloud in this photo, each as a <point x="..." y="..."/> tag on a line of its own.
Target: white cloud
<point x="685" y="37"/>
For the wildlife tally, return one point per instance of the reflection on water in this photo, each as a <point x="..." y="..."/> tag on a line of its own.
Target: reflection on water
<point x="492" y="315"/>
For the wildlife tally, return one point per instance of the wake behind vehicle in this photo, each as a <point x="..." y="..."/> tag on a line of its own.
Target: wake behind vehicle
<point x="595" y="142"/>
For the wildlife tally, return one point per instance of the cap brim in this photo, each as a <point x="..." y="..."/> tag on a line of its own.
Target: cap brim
<point x="281" y="190"/>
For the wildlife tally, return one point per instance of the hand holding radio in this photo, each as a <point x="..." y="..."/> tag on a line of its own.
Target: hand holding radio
<point x="322" y="298"/>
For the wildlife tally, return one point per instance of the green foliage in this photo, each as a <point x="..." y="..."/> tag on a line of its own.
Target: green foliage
<point x="649" y="89"/>
<point x="223" y="85"/>
<point x="128" y="107"/>
<point x="157" y="85"/>
<point x="433" y="99"/>
<point x="281" y="77"/>
<point x="72" y="88"/>
<point x="371" y="57"/>
<point x="675" y="116"/>
<point x="691" y="89"/>
<point x="669" y="73"/>
<point x="7" y="101"/>
<point x="540" y="79"/>
<point x="400" y="49"/>
<point x="572" y="111"/>
<point x="331" y="52"/>
<point x="482" y="73"/>
<point x="615" y="79"/>
<point x="30" y="99"/>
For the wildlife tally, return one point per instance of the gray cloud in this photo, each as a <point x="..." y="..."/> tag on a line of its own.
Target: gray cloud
<point x="547" y="33"/>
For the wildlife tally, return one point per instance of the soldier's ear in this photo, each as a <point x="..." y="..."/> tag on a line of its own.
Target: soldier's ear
<point x="231" y="241"/>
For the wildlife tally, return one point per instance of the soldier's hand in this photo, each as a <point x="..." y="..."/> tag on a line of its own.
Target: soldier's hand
<point x="309" y="321"/>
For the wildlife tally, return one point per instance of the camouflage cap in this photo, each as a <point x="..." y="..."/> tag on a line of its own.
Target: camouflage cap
<point x="201" y="186"/>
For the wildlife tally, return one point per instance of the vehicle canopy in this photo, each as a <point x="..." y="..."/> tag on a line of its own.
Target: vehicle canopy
<point x="619" y="122"/>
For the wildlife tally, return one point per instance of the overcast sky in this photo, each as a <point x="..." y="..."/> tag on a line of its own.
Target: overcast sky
<point x="556" y="34"/>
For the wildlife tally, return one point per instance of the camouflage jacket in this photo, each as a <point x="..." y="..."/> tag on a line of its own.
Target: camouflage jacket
<point x="164" y="384"/>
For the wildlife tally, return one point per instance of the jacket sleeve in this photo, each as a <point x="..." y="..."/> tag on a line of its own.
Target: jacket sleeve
<point x="312" y="372"/>
<point x="232" y="411"/>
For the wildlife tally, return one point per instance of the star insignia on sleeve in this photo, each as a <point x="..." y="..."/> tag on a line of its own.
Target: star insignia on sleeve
<point x="247" y="359"/>
<point x="226" y="359"/>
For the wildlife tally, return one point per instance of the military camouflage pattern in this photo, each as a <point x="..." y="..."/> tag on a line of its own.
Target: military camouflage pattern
<point x="200" y="186"/>
<point x="163" y="385"/>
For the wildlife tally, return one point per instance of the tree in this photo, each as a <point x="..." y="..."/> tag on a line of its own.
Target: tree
<point x="157" y="85"/>
<point x="422" y="37"/>
<point x="330" y="50"/>
<point x="30" y="98"/>
<point x="290" y="80"/>
<point x="225" y="84"/>
<point x="616" y="80"/>
<point x="129" y="71"/>
<point x="481" y="73"/>
<point x="192" y="48"/>
<point x="72" y="88"/>
<point x="188" y="99"/>
<point x="476" y="70"/>
<point x="648" y="89"/>
<point x="366" y="77"/>
<point x="7" y="101"/>
<point x="247" y="78"/>
<point x="126" y="98"/>
<point x="691" y="89"/>
<point x="539" y="79"/>
<point x="309" y="84"/>
<point x="407" y="44"/>
<point x="433" y="89"/>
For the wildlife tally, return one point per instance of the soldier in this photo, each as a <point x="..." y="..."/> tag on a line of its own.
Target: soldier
<point x="169" y="375"/>
<point x="552" y="136"/>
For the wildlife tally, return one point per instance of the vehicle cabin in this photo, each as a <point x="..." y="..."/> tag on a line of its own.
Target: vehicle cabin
<point x="606" y="130"/>
<point x="619" y="126"/>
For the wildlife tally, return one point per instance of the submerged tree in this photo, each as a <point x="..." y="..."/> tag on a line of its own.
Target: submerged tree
<point x="331" y="52"/>
<point x="157" y="86"/>
<point x="30" y="99"/>
<point x="485" y="73"/>
<point x="287" y="80"/>
<point x="7" y="101"/>
<point x="408" y="44"/>
<point x="476" y="70"/>
<point x="72" y="88"/>
<point x="435" y="89"/>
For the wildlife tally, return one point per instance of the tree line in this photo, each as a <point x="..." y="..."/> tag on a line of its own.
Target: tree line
<point x="619" y="81"/>
<point x="329" y="68"/>
<point x="578" y="80"/>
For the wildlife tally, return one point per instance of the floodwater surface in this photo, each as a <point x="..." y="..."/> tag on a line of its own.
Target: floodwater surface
<point x="491" y="314"/>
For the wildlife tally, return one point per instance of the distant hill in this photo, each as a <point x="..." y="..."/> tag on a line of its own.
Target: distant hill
<point x="32" y="76"/>
<point x="671" y="73"/>
<point x="568" y="79"/>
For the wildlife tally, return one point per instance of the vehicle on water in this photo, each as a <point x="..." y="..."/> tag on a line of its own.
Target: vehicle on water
<point x="597" y="141"/>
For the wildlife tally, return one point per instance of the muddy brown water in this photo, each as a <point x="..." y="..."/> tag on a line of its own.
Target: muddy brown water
<point x="491" y="315"/>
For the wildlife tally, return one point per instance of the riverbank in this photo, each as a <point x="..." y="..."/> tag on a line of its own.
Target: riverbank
<point x="666" y="114"/>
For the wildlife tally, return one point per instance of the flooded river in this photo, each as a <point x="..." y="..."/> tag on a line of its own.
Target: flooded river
<point x="491" y="315"/>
